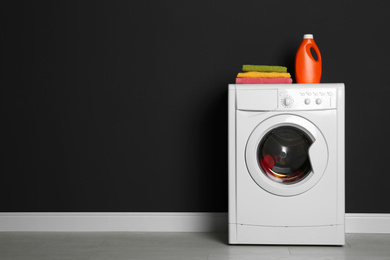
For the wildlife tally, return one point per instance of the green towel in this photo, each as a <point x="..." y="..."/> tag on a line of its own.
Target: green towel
<point x="263" y="68"/>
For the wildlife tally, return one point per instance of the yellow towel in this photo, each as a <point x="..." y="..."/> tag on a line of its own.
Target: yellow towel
<point x="255" y="74"/>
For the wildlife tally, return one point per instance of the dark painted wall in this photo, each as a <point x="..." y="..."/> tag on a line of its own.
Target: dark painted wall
<point x="122" y="105"/>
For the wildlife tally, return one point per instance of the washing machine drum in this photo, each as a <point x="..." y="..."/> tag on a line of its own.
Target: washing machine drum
<point x="283" y="154"/>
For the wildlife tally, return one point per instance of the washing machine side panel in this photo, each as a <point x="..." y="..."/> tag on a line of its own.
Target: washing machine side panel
<point x="232" y="155"/>
<point x="341" y="151"/>
<point x="318" y="206"/>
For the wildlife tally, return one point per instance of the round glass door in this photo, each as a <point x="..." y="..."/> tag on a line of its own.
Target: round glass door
<point x="286" y="155"/>
<point x="283" y="154"/>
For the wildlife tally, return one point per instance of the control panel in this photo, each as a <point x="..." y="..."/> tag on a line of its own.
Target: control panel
<point x="286" y="97"/>
<point x="306" y="98"/>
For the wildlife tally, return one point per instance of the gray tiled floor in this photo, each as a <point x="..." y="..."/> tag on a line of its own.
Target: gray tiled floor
<point x="174" y="246"/>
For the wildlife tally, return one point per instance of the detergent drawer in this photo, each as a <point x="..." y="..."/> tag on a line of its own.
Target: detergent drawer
<point x="257" y="100"/>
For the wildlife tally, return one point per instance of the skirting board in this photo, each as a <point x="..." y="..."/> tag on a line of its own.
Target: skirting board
<point x="156" y="222"/>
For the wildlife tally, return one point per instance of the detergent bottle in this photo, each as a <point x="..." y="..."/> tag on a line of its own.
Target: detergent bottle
<point x="307" y="68"/>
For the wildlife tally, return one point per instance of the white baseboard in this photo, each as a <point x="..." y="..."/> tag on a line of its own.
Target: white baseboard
<point x="136" y="222"/>
<point x="367" y="223"/>
<point x="156" y="222"/>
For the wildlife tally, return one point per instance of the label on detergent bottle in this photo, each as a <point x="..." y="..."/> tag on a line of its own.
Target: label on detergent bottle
<point x="307" y="68"/>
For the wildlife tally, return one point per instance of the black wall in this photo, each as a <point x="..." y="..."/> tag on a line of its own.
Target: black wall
<point x="122" y="105"/>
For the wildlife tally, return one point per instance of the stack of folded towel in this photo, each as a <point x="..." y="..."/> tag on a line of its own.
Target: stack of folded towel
<point x="263" y="74"/>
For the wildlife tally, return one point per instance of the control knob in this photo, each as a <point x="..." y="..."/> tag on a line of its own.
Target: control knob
<point x="307" y="101"/>
<point x="287" y="101"/>
<point x="318" y="101"/>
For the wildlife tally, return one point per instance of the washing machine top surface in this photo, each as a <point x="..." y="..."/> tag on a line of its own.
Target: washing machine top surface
<point x="286" y="97"/>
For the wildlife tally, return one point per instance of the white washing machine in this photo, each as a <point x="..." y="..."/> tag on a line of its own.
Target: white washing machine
<point x="286" y="164"/>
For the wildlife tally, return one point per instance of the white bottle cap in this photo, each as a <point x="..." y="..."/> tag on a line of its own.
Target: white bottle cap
<point x="308" y="36"/>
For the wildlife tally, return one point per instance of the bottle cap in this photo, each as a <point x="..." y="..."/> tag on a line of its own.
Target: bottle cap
<point x="308" y="36"/>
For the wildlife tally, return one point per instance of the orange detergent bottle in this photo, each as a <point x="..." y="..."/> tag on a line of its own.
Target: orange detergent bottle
<point x="307" y="68"/>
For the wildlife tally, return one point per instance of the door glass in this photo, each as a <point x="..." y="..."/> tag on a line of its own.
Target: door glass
<point x="283" y="154"/>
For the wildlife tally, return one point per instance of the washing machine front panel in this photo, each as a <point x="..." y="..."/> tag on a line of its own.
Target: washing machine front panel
<point x="286" y="155"/>
<point x="315" y="207"/>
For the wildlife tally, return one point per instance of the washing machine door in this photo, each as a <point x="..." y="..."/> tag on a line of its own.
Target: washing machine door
<point x="286" y="155"/>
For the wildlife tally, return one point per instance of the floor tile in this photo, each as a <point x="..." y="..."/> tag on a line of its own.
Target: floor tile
<point x="175" y="246"/>
<point x="373" y="241"/>
<point x="341" y="252"/>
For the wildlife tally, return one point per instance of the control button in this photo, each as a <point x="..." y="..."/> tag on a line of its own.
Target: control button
<point x="330" y="93"/>
<point x="287" y="101"/>
<point x="322" y="93"/>
<point x="315" y="94"/>
<point x="318" y="101"/>
<point x="302" y="93"/>
<point x="308" y="93"/>
<point x="307" y="101"/>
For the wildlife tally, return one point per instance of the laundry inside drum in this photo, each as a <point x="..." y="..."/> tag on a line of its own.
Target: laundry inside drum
<point x="283" y="154"/>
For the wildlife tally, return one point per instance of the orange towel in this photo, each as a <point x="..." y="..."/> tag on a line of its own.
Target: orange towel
<point x="255" y="74"/>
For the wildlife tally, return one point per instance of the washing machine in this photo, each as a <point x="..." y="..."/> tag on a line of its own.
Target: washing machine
<point x="286" y="164"/>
